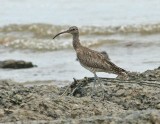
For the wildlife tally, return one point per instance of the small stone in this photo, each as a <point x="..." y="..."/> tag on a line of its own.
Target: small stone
<point x="120" y="92"/>
<point x="9" y="111"/>
<point x="74" y="114"/>
<point x="1" y="113"/>
<point x="97" y="112"/>
<point x="75" y="106"/>
<point x="155" y="118"/>
<point x="158" y="106"/>
<point x="18" y="97"/>
<point x="58" y="112"/>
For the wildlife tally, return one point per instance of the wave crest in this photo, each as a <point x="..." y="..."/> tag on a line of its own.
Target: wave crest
<point x="39" y="36"/>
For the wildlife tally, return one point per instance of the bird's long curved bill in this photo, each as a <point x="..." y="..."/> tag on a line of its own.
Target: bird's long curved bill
<point x="60" y="33"/>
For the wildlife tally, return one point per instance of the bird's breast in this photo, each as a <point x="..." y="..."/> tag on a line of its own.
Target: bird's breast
<point x="91" y="69"/>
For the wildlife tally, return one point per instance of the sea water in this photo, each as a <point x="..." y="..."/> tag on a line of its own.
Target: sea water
<point x="129" y="31"/>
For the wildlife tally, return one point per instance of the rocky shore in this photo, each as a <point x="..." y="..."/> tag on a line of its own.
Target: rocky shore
<point x="134" y="101"/>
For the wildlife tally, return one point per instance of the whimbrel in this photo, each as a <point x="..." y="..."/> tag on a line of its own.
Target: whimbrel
<point x="92" y="60"/>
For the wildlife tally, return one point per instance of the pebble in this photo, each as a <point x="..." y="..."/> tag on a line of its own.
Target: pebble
<point x="158" y="106"/>
<point x="1" y="113"/>
<point x="120" y="92"/>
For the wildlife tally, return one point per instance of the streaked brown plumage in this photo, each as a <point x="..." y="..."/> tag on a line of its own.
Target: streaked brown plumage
<point x="96" y="62"/>
<point x="104" y="53"/>
<point x="92" y="60"/>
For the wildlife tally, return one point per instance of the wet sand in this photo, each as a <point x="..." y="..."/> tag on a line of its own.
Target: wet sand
<point x="134" y="101"/>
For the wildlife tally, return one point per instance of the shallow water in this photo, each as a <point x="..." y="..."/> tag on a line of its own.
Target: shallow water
<point x="128" y="32"/>
<point x="80" y="12"/>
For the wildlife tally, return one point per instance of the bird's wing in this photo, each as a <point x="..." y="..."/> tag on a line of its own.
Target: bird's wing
<point x="94" y="59"/>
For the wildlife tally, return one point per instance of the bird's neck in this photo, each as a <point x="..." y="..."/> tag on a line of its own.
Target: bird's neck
<point x="76" y="42"/>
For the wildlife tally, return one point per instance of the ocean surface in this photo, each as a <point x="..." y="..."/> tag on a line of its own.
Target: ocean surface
<point x="128" y="30"/>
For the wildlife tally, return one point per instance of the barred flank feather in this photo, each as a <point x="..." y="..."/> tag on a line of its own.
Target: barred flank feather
<point x="96" y="61"/>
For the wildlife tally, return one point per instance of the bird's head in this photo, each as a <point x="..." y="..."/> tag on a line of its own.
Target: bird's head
<point x="72" y="30"/>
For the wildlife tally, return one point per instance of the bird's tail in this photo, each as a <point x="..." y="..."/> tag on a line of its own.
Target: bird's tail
<point x="122" y="74"/>
<point x="117" y="70"/>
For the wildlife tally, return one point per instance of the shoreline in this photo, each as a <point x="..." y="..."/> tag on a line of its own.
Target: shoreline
<point x="136" y="100"/>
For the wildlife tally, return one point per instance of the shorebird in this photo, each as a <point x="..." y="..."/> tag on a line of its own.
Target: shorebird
<point x="92" y="60"/>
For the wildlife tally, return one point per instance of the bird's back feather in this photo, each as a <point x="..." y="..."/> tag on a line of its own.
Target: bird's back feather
<point x="96" y="61"/>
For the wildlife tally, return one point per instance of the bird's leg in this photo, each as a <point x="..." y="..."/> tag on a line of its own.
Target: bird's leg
<point x="103" y="95"/>
<point x="93" y="88"/>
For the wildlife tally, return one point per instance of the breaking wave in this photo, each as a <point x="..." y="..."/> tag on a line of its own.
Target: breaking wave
<point x="39" y="36"/>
